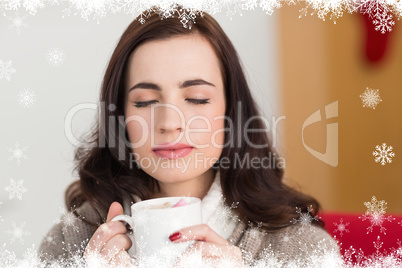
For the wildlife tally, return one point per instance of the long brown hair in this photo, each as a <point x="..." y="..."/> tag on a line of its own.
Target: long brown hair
<point x="105" y="169"/>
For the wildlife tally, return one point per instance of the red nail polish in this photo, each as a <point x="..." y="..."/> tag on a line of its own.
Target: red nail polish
<point x="175" y="236"/>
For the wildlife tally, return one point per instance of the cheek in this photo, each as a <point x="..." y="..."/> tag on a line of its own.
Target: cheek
<point x="218" y="126"/>
<point x="138" y="130"/>
<point x="207" y="129"/>
<point x="218" y="136"/>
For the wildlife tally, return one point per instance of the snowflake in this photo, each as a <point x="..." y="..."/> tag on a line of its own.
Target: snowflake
<point x="378" y="11"/>
<point x="341" y="227"/>
<point x="30" y="258"/>
<point x="378" y="244"/>
<point x="305" y="219"/>
<point x="17" y="153"/>
<point x="32" y="6"/>
<point x="26" y="97"/>
<point x="383" y="154"/>
<point x="56" y="57"/>
<point x="15" y="189"/>
<point x="269" y="6"/>
<point x="69" y="220"/>
<point x="6" y="70"/>
<point x="187" y="16"/>
<point x="372" y="7"/>
<point x="290" y="2"/>
<point x="17" y="23"/>
<point x="93" y="252"/>
<point x="17" y="232"/>
<point x="142" y="220"/>
<point x="254" y="231"/>
<point x="378" y="255"/>
<point x="13" y="4"/>
<point x="223" y="213"/>
<point x="50" y="239"/>
<point x="250" y="5"/>
<point x="141" y="246"/>
<point x="371" y="98"/>
<point x="375" y="214"/>
<point x="383" y="22"/>
<point x="144" y="15"/>
<point x="357" y="254"/>
<point x="92" y="259"/>
<point x="323" y="8"/>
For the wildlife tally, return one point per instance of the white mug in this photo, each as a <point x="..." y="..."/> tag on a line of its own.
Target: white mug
<point x="153" y="226"/>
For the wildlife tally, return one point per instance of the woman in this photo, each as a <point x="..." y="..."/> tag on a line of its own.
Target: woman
<point x="178" y="120"/>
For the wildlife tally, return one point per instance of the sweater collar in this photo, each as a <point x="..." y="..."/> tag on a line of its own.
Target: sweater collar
<point x="216" y="213"/>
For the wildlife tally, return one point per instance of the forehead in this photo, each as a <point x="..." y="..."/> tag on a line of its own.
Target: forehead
<point x="177" y="58"/>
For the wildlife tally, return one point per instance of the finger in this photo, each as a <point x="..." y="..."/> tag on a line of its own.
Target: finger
<point x="200" y="232"/>
<point x="114" y="210"/>
<point x="121" y="259"/>
<point x="103" y="234"/>
<point x="116" y="244"/>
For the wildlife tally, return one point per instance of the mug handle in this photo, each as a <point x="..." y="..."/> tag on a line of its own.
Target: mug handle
<point x="129" y="220"/>
<point x="125" y="218"/>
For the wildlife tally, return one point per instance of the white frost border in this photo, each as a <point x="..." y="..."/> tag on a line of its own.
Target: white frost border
<point x="97" y="9"/>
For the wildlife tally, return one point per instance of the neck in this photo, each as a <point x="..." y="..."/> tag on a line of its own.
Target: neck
<point x="197" y="187"/>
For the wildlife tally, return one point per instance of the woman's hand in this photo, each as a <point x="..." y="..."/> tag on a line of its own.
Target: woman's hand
<point x="110" y="242"/>
<point x="212" y="246"/>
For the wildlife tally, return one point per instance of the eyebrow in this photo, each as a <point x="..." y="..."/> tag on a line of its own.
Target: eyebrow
<point x="187" y="83"/>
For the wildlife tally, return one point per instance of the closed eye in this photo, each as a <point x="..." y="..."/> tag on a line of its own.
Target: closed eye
<point x="140" y="104"/>
<point x="198" y="101"/>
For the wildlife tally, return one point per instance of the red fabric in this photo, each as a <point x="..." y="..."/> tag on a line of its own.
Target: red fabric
<point x="360" y="237"/>
<point x="376" y="43"/>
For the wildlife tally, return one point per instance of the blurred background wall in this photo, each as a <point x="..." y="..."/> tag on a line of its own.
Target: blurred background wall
<point x="322" y="62"/>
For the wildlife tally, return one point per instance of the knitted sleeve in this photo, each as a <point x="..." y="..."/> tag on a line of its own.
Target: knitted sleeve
<point x="68" y="238"/>
<point x="299" y="246"/>
<point x="51" y="247"/>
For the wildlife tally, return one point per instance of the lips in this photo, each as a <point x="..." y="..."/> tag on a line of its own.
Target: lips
<point x="172" y="151"/>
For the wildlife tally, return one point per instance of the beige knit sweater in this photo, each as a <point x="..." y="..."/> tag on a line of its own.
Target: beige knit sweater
<point x="298" y="245"/>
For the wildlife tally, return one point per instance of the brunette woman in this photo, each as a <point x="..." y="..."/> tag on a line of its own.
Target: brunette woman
<point x="174" y="107"/>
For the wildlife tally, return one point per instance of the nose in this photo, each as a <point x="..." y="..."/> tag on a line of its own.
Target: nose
<point x="168" y="118"/>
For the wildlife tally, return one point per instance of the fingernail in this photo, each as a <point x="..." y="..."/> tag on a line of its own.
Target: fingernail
<point x="175" y="236"/>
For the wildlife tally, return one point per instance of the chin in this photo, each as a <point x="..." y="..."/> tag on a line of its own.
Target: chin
<point x="175" y="175"/>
